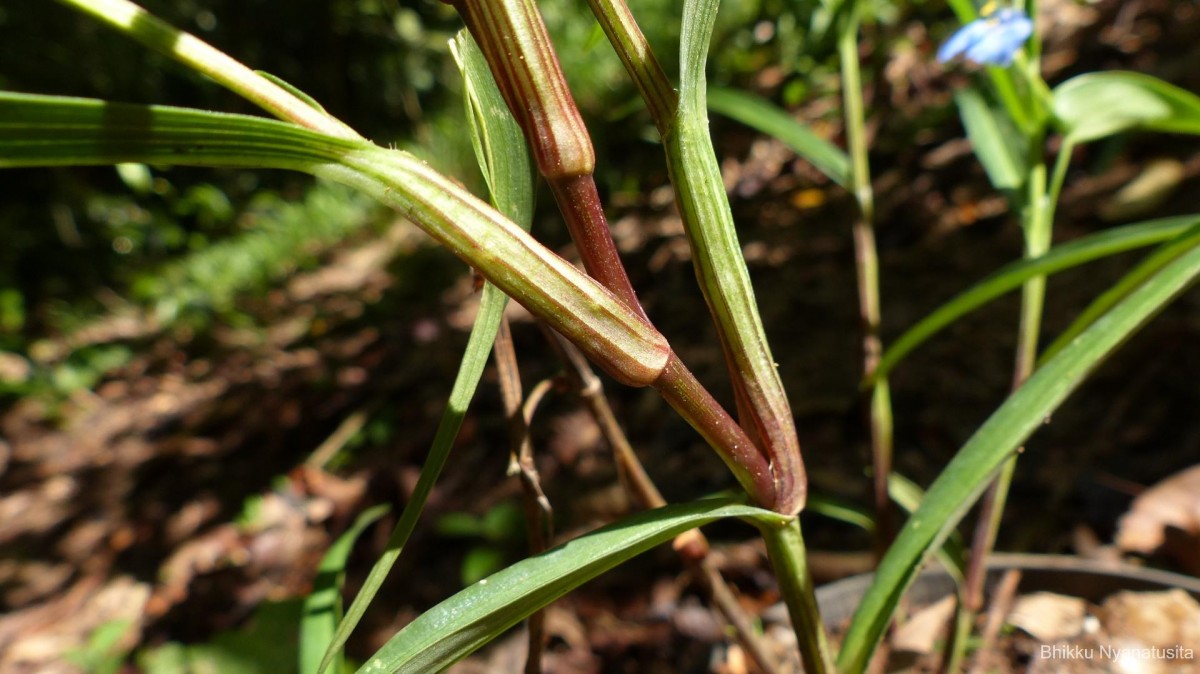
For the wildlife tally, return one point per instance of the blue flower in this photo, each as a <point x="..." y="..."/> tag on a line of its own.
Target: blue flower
<point x="992" y="39"/>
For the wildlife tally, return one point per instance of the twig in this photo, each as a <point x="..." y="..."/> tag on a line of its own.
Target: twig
<point x="1002" y="602"/>
<point x="537" y="507"/>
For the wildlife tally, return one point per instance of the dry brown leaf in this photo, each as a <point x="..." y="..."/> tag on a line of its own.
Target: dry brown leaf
<point x="921" y="632"/>
<point x="1048" y="617"/>
<point x="1174" y="502"/>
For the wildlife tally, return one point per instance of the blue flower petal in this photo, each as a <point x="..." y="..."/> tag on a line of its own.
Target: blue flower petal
<point x="963" y="39"/>
<point x="991" y="40"/>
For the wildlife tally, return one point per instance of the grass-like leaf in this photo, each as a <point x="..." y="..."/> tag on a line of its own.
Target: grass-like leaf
<point x="994" y="140"/>
<point x="1145" y="269"/>
<point x="464" y="622"/>
<point x="508" y="171"/>
<point x="1096" y="105"/>
<point x="967" y="475"/>
<point x="765" y="117"/>
<point x="323" y="606"/>
<point x="1060" y="258"/>
<point x="52" y="131"/>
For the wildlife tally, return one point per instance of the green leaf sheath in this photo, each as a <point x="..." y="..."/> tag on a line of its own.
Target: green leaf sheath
<point x="454" y="628"/>
<point x="643" y="67"/>
<point x="721" y="269"/>
<point x="612" y="335"/>
<point x="517" y="47"/>
<point x="43" y="131"/>
<point x="967" y="475"/>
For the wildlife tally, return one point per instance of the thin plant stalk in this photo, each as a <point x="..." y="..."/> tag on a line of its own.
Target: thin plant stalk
<point x="1039" y="220"/>
<point x="538" y="512"/>
<point x="785" y="547"/>
<point x="867" y="274"/>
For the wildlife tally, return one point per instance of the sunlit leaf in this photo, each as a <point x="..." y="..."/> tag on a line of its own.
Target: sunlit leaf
<point x="1095" y="105"/>
<point x="994" y="140"/>
<point x="454" y="628"/>
<point x="1060" y="258"/>
<point x="761" y="115"/>
<point x="968" y="474"/>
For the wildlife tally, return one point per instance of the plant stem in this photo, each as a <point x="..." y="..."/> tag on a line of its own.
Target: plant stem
<point x="198" y="55"/>
<point x="537" y="507"/>
<point x="682" y="120"/>
<point x="867" y="273"/>
<point x="580" y="206"/>
<point x="692" y="546"/>
<point x="679" y="387"/>
<point x="1038" y="218"/>
<point x="785" y="547"/>
<point x="519" y="52"/>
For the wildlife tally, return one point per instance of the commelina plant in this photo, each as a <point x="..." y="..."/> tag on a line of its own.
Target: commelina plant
<point x="515" y="90"/>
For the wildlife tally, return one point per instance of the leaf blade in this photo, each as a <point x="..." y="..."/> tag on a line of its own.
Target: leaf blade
<point x="1095" y="105"/>
<point x="470" y="618"/>
<point x="967" y="475"/>
<point x="1010" y="277"/>
<point x="759" y="114"/>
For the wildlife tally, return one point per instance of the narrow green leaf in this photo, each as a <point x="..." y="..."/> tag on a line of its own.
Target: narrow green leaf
<point x="506" y="165"/>
<point x="909" y="495"/>
<point x="293" y="90"/>
<point x="993" y="139"/>
<point x="323" y="606"/>
<point x="968" y="474"/>
<point x="1062" y="257"/>
<point x="499" y="144"/>
<point x="1096" y="105"/>
<point x="50" y="131"/>
<point x="454" y="628"/>
<point x="1147" y="268"/>
<point x="61" y="131"/>
<point x="763" y="116"/>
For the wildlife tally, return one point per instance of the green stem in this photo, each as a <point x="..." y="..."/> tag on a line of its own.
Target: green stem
<point x="519" y="52"/>
<point x="202" y="57"/>
<point x="752" y="468"/>
<point x="1039" y="215"/>
<point x="682" y="121"/>
<point x="785" y="547"/>
<point x="867" y="273"/>
<point x="634" y="51"/>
